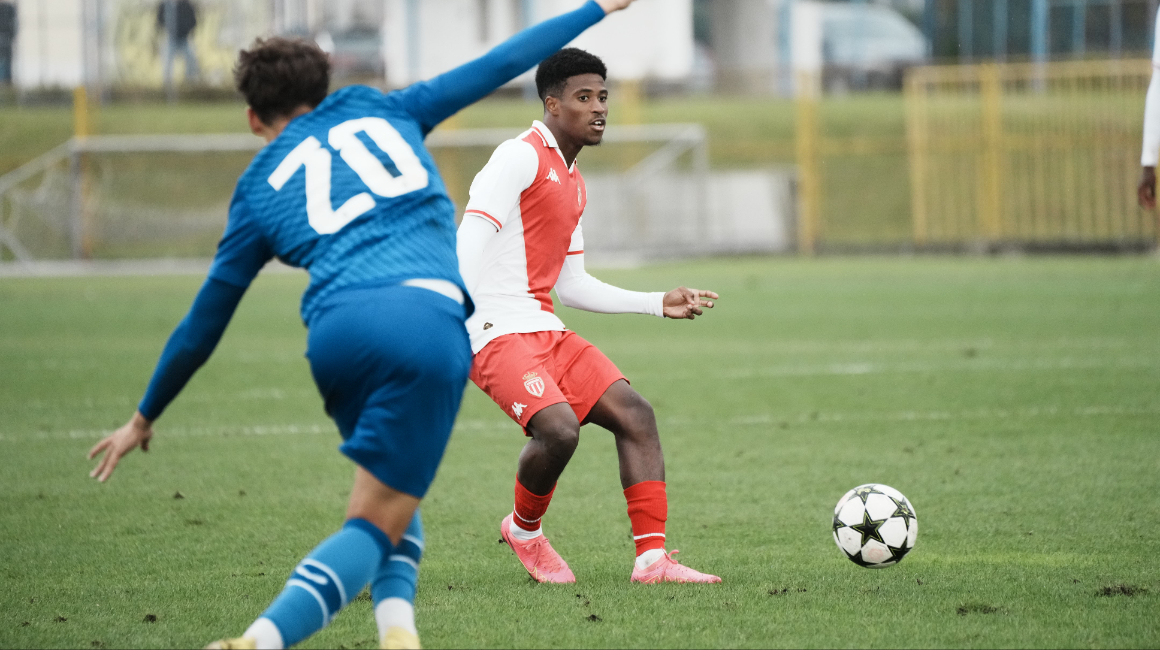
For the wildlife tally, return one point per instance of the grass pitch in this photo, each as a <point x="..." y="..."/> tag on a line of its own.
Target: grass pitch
<point x="1014" y="401"/>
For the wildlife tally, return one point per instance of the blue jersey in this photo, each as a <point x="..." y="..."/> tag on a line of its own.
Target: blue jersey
<point x="349" y="192"/>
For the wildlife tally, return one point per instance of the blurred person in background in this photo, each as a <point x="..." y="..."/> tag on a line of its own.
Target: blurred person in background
<point x="7" y="37"/>
<point x="177" y="19"/>
<point x="1146" y="193"/>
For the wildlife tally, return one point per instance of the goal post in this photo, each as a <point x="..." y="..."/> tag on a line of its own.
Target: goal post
<point x="141" y="196"/>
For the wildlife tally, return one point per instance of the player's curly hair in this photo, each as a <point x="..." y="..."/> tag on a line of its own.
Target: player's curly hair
<point x="554" y="72"/>
<point x="277" y="75"/>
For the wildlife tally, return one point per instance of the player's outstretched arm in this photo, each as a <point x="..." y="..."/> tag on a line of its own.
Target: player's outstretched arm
<point x="683" y="302"/>
<point x="188" y="348"/>
<point x="433" y="101"/>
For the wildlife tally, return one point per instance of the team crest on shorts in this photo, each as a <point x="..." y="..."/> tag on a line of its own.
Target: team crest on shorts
<point x="534" y="384"/>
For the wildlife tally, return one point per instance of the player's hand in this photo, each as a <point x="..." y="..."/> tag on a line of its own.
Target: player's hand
<point x="687" y="303"/>
<point x="610" y="6"/>
<point x="136" y="433"/>
<point x="1146" y="193"/>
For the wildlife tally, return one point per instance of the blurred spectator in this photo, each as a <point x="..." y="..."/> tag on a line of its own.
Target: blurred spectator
<point x="177" y="19"/>
<point x="7" y="36"/>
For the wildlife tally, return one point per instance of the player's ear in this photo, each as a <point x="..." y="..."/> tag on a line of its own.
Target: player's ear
<point x="552" y="105"/>
<point x="257" y="126"/>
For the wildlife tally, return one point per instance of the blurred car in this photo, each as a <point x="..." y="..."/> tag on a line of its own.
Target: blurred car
<point x="355" y="54"/>
<point x="867" y="46"/>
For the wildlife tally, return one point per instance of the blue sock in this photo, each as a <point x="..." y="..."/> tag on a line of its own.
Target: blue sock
<point x="330" y="577"/>
<point x="398" y="572"/>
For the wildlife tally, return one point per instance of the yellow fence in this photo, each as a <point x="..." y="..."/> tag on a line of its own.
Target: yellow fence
<point x="977" y="157"/>
<point x="1027" y="154"/>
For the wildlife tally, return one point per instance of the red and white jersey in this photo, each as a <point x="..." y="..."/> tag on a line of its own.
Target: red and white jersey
<point x="535" y="202"/>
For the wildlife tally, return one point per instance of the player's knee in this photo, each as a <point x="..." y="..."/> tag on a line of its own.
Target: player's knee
<point x="563" y="438"/>
<point x="559" y="431"/>
<point x="637" y="414"/>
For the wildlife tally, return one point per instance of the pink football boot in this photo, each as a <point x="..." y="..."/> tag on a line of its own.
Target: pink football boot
<point x="538" y="557"/>
<point x="667" y="569"/>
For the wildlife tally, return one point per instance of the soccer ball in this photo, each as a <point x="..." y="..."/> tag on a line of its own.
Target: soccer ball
<point x="875" y="526"/>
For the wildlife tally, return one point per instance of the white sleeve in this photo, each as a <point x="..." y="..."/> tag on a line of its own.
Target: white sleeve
<point x="496" y="190"/>
<point x="579" y="290"/>
<point x="1151" y="149"/>
<point x="470" y="241"/>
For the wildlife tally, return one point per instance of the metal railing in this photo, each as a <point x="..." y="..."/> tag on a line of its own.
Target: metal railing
<point x="1027" y="154"/>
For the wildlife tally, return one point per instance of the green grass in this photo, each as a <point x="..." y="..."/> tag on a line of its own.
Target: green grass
<point x="1014" y="401"/>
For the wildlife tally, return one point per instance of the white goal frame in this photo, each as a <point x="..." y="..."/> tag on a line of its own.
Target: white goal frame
<point x="676" y="140"/>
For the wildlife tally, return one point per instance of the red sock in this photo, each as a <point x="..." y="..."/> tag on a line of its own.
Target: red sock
<point x="648" y="509"/>
<point x="530" y="508"/>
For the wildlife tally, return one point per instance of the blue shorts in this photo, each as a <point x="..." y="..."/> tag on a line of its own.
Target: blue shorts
<point x="392" y="363"/>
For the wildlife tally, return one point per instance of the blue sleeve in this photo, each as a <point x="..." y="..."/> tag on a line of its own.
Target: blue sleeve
<point x="191" y="344"/>
<point x="242" y="252"/>
<point x="432" y="101"/>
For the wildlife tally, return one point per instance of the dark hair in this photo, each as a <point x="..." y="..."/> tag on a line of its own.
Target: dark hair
<point x="277" y="75"/>
<point x="554" y="72"/>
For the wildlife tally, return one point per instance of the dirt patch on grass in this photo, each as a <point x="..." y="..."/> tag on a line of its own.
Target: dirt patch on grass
<point x="1121" y="590"/>
<point x="977" y="608"/>
<point x="785" y="590"/>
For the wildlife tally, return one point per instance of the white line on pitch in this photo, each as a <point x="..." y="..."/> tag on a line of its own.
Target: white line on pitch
<point x="975" y="414"/>
<point x="162" y="432"/>
<point x="969" y="365"/>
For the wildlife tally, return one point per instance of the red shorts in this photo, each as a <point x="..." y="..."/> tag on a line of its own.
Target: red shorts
<point x="524" y="373"/>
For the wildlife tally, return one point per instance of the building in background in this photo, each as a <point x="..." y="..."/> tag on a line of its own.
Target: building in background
<point x="652" y="41"/>
<point x="122" y="43"/>
<point x="747" y="46"/>
<point x="119" y="43"/>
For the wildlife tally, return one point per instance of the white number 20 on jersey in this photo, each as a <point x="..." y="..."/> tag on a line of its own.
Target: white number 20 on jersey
<point x="317" y="159"/>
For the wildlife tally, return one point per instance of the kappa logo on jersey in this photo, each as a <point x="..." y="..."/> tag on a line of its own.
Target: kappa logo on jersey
<point x="534" y="383"/>
<point x="579" y="196"/>
<point x="518" y="409"/>
<point x="553" y="177"/>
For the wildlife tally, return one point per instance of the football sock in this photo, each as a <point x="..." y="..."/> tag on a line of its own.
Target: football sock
<point x="393" y="587"/>
<point x="648" y="509"/>
<point x="265" y="635"/>
<point x="329" y="578"/>
<point x="528" y="512"/>
<point x="646" y="559"/>
<point x="523" y="535"/>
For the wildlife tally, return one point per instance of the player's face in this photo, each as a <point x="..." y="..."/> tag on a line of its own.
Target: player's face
<point x="584" y="108"/>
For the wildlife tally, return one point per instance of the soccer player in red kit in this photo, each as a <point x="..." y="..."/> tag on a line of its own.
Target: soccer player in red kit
<point x="520" y="236"/>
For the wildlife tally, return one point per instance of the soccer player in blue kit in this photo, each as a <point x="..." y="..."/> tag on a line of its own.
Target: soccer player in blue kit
<point x="385" y="307"/>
